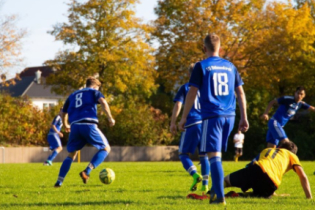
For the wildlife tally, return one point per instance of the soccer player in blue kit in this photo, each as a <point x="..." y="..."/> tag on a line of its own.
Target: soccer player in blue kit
<point x="217" y="79"/>
<point x="82" y="115"/>
<point x="190" y="138"/>
<point x="53" y="138"/>
<point x="288" y="106"/>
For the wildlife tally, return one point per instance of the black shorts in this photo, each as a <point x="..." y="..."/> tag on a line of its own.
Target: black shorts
<point x="238" y="150"/>
<point x="253" y="177"/>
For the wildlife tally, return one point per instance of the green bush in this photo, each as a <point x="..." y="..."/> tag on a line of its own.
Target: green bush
<point x="137" y="124"/>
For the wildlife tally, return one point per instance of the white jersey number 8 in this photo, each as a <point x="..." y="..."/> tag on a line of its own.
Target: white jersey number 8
<point x="220" y="80"/>
<point x="78" y="100"/>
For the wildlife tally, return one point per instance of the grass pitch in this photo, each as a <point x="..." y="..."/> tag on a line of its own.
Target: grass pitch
<point x="138" y="185"/>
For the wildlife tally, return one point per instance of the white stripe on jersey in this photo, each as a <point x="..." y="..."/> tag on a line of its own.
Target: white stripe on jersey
<point x="195" y="123"/>
<point x="275" y="124"/>
<point x="204" y="136"/>
<point x="192" y="168"/>
<point x="103" y="137"/>
<point x="182" y="139"/>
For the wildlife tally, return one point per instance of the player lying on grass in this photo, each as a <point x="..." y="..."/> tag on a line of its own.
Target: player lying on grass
<point x="264" y="176"/>
<point x="288" y="106"/>
<point x="190" y="138"/>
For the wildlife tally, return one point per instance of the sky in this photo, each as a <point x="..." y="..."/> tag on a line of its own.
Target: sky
<point x="39" y="16"/>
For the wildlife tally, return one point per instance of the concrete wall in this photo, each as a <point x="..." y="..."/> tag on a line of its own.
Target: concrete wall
<point x="40" y="154"/>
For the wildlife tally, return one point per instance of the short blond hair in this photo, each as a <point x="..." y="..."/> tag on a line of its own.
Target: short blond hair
<point x="90" y="81"/>
<point x="212" y="42"/>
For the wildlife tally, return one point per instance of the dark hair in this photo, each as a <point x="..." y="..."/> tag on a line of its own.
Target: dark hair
<point x="289" y="145"/>
<point x="212" y="42"/>
<point x="300" y="88"/>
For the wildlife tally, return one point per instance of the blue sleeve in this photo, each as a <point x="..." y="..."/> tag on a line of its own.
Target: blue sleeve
<point x="54" y="122"/>
<point x="180" y="95"/>
<point x="281" y="100"/>
<point x="98" y="95"/>
<point x="305" y="105"/>
<point x="238" y="79"/>
<point x="196" y="76"/>
<point x="66" y="106"/>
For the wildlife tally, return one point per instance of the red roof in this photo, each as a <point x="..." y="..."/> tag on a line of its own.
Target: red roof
<point x="30" y="71"/>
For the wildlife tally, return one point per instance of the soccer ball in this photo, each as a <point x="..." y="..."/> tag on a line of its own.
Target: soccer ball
<point x="107" y="176"/>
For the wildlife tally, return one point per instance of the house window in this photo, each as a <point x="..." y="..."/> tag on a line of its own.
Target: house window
<point x="51" y="105"/>
<point x="45" y="106"/>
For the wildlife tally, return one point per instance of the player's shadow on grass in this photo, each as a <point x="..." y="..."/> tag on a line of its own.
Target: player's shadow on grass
<point x="174" y="197"/>
<point x="62" y="204"/>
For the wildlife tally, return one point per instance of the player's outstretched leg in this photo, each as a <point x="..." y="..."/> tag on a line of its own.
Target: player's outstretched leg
<point x="65" y="167"/>
<point x="192" y="170"/>
<point x="97" y="159"/>
<point x="53" y="155"/>
<point x="205" y="171"/>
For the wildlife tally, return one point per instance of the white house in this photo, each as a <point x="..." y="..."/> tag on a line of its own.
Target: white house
<point x="31" y="84"/>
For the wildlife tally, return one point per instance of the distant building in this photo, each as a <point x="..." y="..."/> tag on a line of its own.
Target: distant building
<point x="31" y="83"/>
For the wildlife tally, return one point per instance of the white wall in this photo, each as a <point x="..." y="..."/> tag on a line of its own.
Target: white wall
<point x="40" y="102"/>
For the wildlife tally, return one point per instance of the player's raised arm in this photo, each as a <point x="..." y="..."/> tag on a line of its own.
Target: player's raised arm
<point x="265" y="116"/>
<point x="311" y="108"/>
<point x="106" y="109"/>
<point x="243" y="125"/>
<point x="190" y="99"/>
<point x="304" y="181"/>
<point x="175" y="113"/>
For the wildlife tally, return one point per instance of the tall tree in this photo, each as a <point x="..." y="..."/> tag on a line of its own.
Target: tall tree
<point x="271" y="44"/>
<point x="182" y="25"/>
<point x="10" y="44"/>
<point x="109" y="41"/>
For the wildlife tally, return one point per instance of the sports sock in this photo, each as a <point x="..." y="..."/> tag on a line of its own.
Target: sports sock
<point x="188" y="164"/>
<point x="205" y="169"/>
<point x="52" y="156"/>
<point x="97" y="159"/>
<point x="64" y="168"/>
<point x="254" y="160"/>
<point x="217" y="176"/>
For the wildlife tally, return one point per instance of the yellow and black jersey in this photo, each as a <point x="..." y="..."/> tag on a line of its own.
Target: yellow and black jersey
<point x="276" y="162"/>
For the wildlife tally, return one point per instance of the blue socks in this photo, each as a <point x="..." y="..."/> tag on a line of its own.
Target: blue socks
<point x="97" y="159"/>
<point x="52" y="156"/>
<point x="188" y="164"/>
<point x="217" y="176"/>
<point x="205" y="169"/>
<point x="64" y="169"/>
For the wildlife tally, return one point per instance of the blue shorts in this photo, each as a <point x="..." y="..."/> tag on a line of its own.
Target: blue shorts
<point x="275" y="132"/>
<point x="190" y="139"/>
<point x="53" y="141"/>
<point x="83" y="133"/>
<point x="215" y="133"/>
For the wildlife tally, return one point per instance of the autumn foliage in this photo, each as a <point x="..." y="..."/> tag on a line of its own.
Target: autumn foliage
<point x="272" y="44"/>
<point x="24" y="125"/>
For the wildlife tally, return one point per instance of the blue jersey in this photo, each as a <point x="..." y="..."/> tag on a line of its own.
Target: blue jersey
<point x="216" y="79"/>
<point x="81" y="105"/>
<point x="57" y="122"/>
<point x="194" y="116"/>
<point x="287" y="109"/>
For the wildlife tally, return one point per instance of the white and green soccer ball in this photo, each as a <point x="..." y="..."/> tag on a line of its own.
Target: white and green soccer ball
<point x="107" y="176"/>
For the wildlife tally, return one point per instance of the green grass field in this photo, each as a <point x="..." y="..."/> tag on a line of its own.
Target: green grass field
<point x="139" y="185"/>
